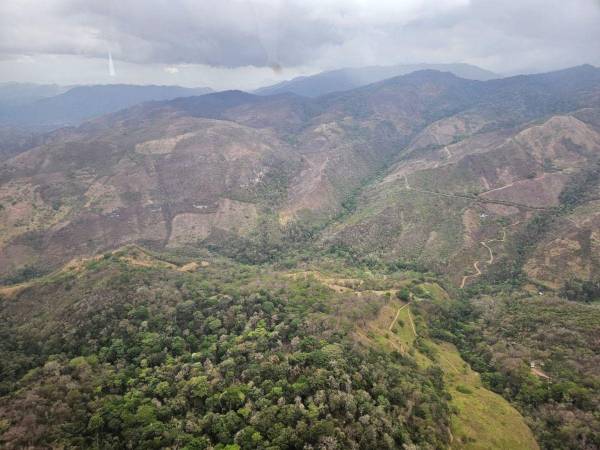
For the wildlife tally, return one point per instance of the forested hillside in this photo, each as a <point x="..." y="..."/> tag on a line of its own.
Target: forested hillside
<point x="129" y="351"/>
<point x="410" y="264"/>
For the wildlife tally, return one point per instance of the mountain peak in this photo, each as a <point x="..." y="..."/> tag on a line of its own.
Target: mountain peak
<point x="350" y="78"/>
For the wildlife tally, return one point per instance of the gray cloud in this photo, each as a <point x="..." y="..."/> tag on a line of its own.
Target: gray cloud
<point x="304" y="35"/>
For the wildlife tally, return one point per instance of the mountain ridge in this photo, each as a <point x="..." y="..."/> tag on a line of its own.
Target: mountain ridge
<point x="80" y="103"/>
<point x="350" y="78"/>
<point x="190" y="272"/>
<point x="290" y="155"/>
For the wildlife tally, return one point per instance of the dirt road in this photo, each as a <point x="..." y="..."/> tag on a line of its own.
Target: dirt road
<point x="476" y="274"/>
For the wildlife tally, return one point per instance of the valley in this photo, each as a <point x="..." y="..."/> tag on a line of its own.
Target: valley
<point x="411" y="263"/>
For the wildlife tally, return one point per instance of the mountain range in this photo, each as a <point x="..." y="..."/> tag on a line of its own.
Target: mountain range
<point x="47" y="107"/>
<point x="16" y="94"/>
<point x="350" y="78"/>
<point x="245" y="270"/>
<point x="433" y="164"/>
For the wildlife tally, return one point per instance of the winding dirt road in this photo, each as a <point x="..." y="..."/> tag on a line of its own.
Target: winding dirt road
<point x="476" y="274"/>
<point x="491" y="260"/>
<point x="485" y="244"/>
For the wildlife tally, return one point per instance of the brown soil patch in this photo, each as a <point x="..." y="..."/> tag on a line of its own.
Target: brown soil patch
<point x="189" y="267"/>
<point x="231" y="215"/>
<point x="161" y="146"/>
<point x="539" y="192"/>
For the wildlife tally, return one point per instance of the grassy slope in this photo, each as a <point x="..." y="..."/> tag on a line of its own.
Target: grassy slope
<point x="483" y="419"/>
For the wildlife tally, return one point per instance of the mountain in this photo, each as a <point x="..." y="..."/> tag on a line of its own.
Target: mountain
<point x="14" y="140"/>
<point x="81" y="103"/>
<point x="212" y="168"/>
<point x="472" y="180"/>
<point x="412" y="263"/>
<point x="16" y="94"/>
<point x="350" y="78"/>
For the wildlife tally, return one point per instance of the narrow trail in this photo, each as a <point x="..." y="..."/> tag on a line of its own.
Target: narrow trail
<point x="397" y="346"/>
<point x="448" y="152"/>
<point x="410" y="319"/>
<point x="499" y="188"/>
<point x="473" y="198"/>
<point x="504" y="233"/>
<point x="396" y="318"/>
<point x="490" y="261"/>
<point x="412" y="324"/>
<point x="449" y="363"/>
<point x="503" y="238"/>
<point x="574" y="223"/>
<point x="541" y="177"/>
<point x="485" y="182"/>
<point x="538" y="373"/>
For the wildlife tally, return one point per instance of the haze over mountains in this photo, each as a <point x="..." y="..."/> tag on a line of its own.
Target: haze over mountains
<point x="16" y="94"/>
<point x="224" y="260"/>
<point x="28" y="110"/>
<point x="44" y="108"/>
<point x="47" y="107"/>
<point x="350" y="78"/>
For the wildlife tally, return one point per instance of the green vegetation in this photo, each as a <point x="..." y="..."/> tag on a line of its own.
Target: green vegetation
<point x="246" y="355"/>
<point x="24" y="274"/>
<point x="480" y="419"/>
<point x="502" y="337"/>
<point x="232" y="356"/>
<point x="585" y="291"/>
<point x="314" y="314"/>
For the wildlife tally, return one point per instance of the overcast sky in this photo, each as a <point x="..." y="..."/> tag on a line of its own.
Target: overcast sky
<point x="248" y="43"/>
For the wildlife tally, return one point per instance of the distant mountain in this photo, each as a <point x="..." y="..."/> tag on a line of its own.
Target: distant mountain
<point x="85" y="102"/>
<point x="14" y="140"/>
<point x="350" y="78"/>
<point x="210" y="168"/>
<point x="18" y="94"/>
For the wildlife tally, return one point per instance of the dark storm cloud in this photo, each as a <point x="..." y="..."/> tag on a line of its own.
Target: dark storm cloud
<point x="504" y="35"/>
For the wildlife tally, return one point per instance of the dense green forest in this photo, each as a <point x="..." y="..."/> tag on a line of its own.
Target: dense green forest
<point x="122" y="356"/>
<point x="129" y="350"/>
